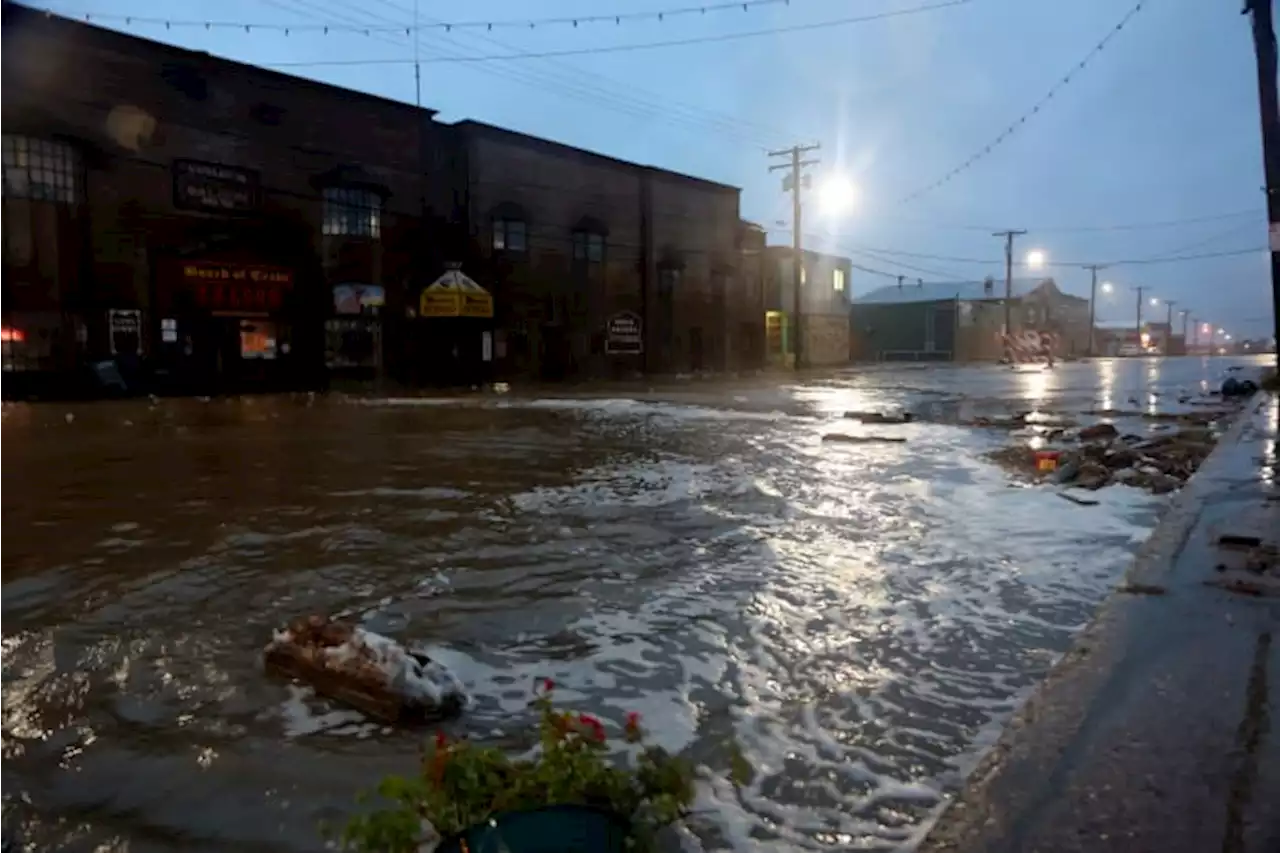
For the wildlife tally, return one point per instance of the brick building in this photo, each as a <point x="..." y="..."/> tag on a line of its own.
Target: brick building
<point x="572" y="240"/>
<point x="824" y="323"/>
<point x="213" y="224"/>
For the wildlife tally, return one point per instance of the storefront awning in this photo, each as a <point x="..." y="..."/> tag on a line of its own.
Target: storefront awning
<point x="455" y="295"/>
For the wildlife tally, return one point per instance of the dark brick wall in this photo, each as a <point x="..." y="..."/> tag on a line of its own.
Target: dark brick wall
<point x="131" y="107"/>
<point x="552" y="310"/>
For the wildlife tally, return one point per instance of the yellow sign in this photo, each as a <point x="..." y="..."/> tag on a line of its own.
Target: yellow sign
<point x="440" y="303"/>
<point x="455" y="295"/>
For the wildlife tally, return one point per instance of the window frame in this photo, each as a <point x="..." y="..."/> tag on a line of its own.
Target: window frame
<point x="58" y="164"/>
<point x="348" y="211"/>
<point x="501" y="231"/>
<point x="584" y="240"/>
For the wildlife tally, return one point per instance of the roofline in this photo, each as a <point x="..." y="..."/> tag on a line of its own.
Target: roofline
<point x="468" y="124"/>
<point x="106" y="33"/>
<point x="809" y="253"/>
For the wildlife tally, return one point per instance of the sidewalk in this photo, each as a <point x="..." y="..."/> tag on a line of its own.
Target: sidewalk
<point x="1160" y="731"/>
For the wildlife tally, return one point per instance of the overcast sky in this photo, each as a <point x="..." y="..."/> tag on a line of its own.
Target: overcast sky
<point x="1161" y="125"/>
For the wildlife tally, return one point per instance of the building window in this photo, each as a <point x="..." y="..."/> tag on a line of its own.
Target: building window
<point x="509" y="235"/>
<point x="352" y="212"/>
<point x="40" y="170"/>
<point x="837" y="280"/>
<point x="588" y="247"/>
<point x="804" y="274"/>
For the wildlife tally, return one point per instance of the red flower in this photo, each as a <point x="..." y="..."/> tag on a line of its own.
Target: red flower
<point x="548" y="685"/>
<point x="633" y="720"/>
<point x="596" y="727"/>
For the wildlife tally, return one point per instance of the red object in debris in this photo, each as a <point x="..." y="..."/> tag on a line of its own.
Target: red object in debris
<point x="1047" y="460"/>
<point x="11" y="335"/>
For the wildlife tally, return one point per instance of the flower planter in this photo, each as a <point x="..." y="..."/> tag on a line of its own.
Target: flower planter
<point x="553" y="829"/>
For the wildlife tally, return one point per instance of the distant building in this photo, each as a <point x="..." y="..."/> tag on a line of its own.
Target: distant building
<point x="962" y="321"/>
<point x="824" y="288"/>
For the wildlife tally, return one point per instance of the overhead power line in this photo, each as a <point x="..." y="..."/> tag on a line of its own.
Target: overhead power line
<point x="1039" y="105"/>
<point x="622" y="48"/>
<point x="1065" y="229"/>
<point x="575" y="21"/>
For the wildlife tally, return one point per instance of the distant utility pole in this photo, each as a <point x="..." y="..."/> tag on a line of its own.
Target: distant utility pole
<point x="1186" y="315"/>
<point x="1168" y="332"/>
<point x="1195" y="332"/>
<point x="795" y="181"/>
<point x="1093" y="298"/>
<point x="1264" y="46"/>
<point x="1138" y="329"/>
<point x="1008" y="285"/>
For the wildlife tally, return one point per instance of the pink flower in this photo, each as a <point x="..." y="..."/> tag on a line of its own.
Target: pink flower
<point x="596" y="727"/>
<point x="633" y="719"/>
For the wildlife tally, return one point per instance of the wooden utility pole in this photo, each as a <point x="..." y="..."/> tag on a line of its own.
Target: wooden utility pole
<point x="795" y="181"/>
<point x="1264" y="46"/>
<point x="1093" y="299"/>
<point x="1138" y="330"/>
<point x="1168" y="331"/>
<point x="1186" y="315"/>
<point x="1008" y="286"/>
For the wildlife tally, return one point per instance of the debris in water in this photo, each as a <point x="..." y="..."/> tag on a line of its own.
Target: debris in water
<point x="368" y="671"/>
<point x="1142" y="589"/>
<point x="880" y="417"/>
<point x="863" y="439"/>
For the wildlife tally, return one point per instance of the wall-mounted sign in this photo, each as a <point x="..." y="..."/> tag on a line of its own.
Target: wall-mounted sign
<point x="125" y="327"/>
<point x="455" y="295"/>
<point x="358" y="298"/>
<point x="214" y="188"/>
<point x="624" y="334"/>
<point x="237" y="287"/>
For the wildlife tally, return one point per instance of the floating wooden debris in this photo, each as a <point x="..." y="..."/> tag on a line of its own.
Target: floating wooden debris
<point x="367" y="671"/>
<point x="880" y="417"/>
<point x="1142" y="589"/>
<point x="863" y="439"/>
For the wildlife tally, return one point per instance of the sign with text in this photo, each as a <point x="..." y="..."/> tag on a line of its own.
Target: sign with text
<point x="237" y="287"/>
<point x="214" y="188"/>
<point x="624" y="334"/>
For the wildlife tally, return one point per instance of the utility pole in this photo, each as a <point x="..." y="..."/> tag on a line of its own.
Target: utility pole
<point x="1186" y="315"/>
<point x="1093" y="298"/>
<point x="1168" y="331"/>
<point x="1138" y="329"/>
<point x="1195" y="334"/>
<point x="1008" y="286"/>
<point x="1264" y="46"/>
<point x="795" y="181"/>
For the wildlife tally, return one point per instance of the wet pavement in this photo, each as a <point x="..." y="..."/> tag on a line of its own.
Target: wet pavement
<point x="857" y="621"/>
<point x="1159" y="730"/>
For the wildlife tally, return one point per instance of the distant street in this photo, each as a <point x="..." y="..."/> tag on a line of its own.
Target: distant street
<point x="857" y="621"/>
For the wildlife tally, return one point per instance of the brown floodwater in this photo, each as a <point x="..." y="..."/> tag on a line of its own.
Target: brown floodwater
<point x="857" y="621"/>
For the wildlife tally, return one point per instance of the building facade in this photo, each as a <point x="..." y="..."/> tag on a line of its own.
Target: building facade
<point x="824" y="309"/>
<point x="212" y="225"/>
<point x="963" y="321"/>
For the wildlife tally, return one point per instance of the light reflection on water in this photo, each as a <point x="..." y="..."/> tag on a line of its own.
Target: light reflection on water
<point x="857" y="620"/>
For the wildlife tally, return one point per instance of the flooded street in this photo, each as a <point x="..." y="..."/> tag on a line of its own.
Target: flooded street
<point x="856" y="621"/>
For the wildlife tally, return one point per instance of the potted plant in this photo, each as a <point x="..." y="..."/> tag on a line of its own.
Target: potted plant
<point x="568" y="797"/>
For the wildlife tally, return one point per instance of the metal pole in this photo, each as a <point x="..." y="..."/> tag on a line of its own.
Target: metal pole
<point x="1168" y="331"/>
<point x="1186" y="315"/>
<point x="1195" y="334"/>
<point x="1264" y="46"/>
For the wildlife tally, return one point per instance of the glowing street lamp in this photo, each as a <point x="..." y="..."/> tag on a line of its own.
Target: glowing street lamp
<point x="1035" y="259"/>
<point x="836" y="195"/>
<point x="1155" y="301"/>
<point x="1107" y="287"/>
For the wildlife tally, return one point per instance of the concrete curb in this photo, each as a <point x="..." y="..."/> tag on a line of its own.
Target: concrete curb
<point x="1029" y="781"/>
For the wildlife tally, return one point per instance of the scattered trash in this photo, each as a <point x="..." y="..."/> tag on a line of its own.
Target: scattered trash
<point x="863" y="439"/>
<point x="1233" y="387"/>
<point x="1141" y="589"/>
<point x="1047" y="460"/>
<point x="367" y="671"/>
<point x="1091" y="433"/>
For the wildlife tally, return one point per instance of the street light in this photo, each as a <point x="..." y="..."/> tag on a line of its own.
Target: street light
<point x="1035" y="259"/>
<point x="1107" y="287"/>
<point x="836" y="195"/>
<point x="1155" y="301"/>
